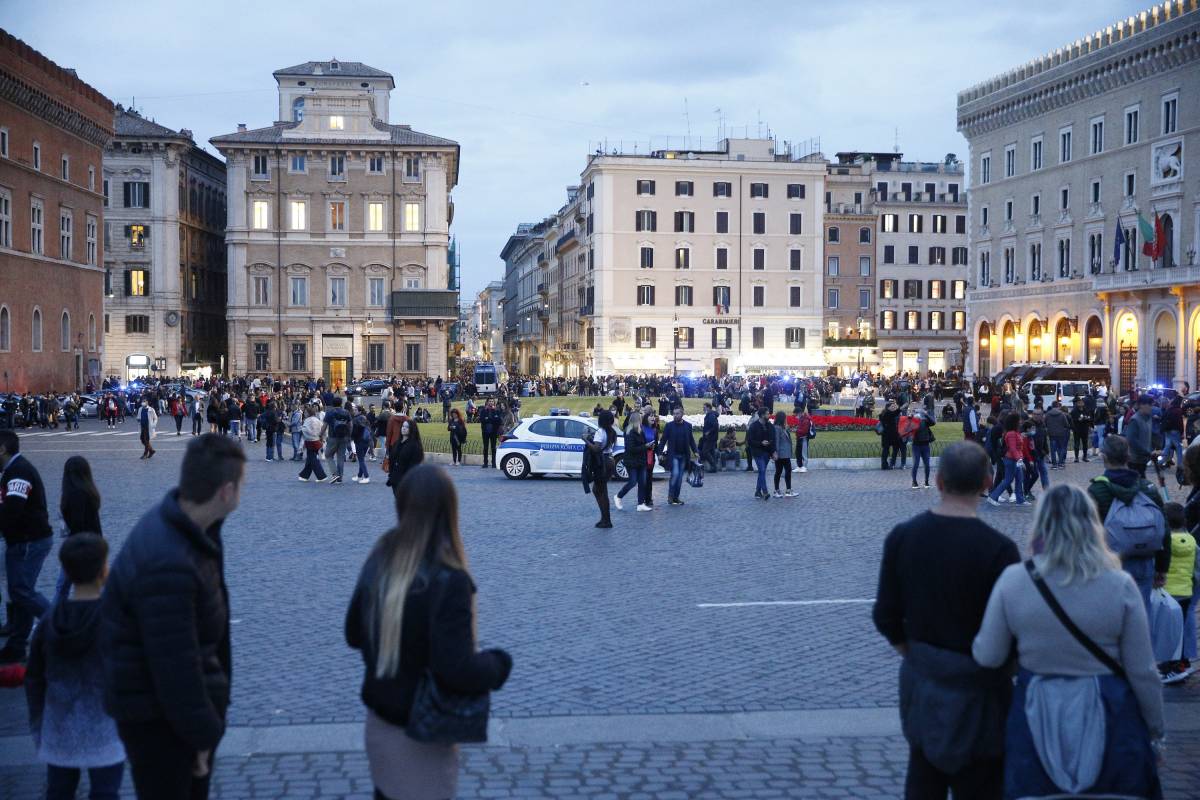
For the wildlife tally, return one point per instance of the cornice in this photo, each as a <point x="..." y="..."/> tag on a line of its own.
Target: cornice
<point x="41" y="105"/>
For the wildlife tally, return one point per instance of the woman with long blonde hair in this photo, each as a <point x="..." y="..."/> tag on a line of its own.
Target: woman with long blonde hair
<point x="1087" y="708"/>
<point x="413" y="616"/>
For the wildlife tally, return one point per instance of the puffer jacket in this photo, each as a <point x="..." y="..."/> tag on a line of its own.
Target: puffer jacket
<point x="634" y="455"/>
<point x="164" y="627"/>
<point x="783" y="442"/>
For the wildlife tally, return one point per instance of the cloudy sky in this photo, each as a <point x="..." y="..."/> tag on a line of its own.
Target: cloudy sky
<point x="527" y="88"/>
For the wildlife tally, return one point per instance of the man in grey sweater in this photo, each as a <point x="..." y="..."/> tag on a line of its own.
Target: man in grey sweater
<point x="1137" y="432"/>
<point x="1058" y="430"/>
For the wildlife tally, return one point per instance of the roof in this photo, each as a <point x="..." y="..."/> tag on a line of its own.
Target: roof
<point x="346" y="69"/>
<point x="127" y="122"/>
<point x="273" y="134"/>
<point x="425" y="303"/>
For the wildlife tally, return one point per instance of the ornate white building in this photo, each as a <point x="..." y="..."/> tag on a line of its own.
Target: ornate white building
<point x="1066" y="151"/>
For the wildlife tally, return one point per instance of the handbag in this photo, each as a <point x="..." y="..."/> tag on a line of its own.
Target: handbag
<point x="1096" y="650"/>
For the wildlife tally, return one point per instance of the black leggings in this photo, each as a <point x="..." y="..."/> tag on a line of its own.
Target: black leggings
<point x="783" y="466"/>
<point x="489" y="446"/>
<point x="600" y="490"/>
<point x="455" y="449"/>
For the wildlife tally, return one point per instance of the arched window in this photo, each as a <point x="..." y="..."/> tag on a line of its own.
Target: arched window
<point x="64" y="331"/>
<point x="298" y="110"/>
<point x="5" y="330"/>
<point x="864" y="235"/>
<point x="1168" y="245"/>
<point x="37" y="331"/>
<point x="92" y="332"/>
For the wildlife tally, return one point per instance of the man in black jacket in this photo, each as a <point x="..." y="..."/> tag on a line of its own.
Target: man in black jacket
<point x="760" y="440"/>
<point x="490" y="423"/>
<point x="165" y="627"/>
<point x="25" y="523"/>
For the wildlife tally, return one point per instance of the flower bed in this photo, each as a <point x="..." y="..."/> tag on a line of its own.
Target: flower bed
<point x="739" y="422"/>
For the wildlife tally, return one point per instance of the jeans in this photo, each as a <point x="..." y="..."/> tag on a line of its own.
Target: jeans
<point x="360" y="450"/>
<point x="161" y="762"/>
<point x="1171" y="443"/>
<point x="335" y="454"/>
<point x="178" y="424"/>
<point x="270" y="448"/>
<point x="637" y="480"/>
<point x="235" y="428"/>
<point x="278" y="437"/>
<point x="489" y="449"/>
<point x="675" y="485"/>
<point x="312" y="463"/>
<point x="727" y="456"/>
<point x="920" y="453"/>
<point x="802" y="452"/>
<point x="1058" y="450"/>
<point x="251" y="429"/>
<point x="1040" y="471"/>
<point x="1098" y="434"/>
<point x="760" y="463"/>
<point x="1012" y="480"/>
<point x="297" y="445"/>
<point x="197" y="424"/>
<point x="104" y="783"/>
<point x="22" y="565"/>
<point x="979" y="780"/>
<point x="1142" y="570"/>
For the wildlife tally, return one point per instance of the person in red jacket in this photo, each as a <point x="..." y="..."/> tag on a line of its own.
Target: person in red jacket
<point x="1014" y="462"/>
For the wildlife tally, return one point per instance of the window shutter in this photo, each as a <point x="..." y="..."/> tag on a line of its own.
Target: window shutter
<point x="653" y="338"/>
<point x="125" y="187"/>
<point x="146" y="195"/>
<point x="128" y="283"/>
<point x="146" y="281"/>
<point x="651" y="187"/>
<point x="653" y="216"/>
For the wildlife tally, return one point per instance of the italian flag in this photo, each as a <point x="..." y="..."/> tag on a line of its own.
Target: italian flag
<point x="1152" y="236"/>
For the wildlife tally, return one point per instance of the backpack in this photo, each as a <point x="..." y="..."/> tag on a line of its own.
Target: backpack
<point x="1134" y="529"/>
<point x="341" y="426"/>
<point x="360" y="426"/>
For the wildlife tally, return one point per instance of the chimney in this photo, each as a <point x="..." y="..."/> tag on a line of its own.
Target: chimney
<point x="241" y="127"/>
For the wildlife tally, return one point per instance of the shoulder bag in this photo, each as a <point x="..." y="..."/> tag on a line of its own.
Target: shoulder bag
<point x="1096" y="650"/>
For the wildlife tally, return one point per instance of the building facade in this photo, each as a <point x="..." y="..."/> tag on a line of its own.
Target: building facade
<point x="338" y="233"/>
<point x="524" y="335"/>
<point x="850" y="265"/>
<point x="53" y="129"/>
<point x="1067" y="153"/>
<point x="489" y="314"/>
<point x="164" y="234"/>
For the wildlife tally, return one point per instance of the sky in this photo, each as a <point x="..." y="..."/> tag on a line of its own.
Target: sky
<point x="529" y="88"/>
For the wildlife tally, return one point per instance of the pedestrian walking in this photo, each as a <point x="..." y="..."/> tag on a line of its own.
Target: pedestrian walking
<point x="197" y="415"/>
<point x="760" y="439"/>
<point x="599" y="463"/>
<point x="935" y="578"/>
<point x="783" y="454"/>
<point x="1087" y="710"/>
<point x="165" y="628"/>
<point x="64" y="682"/>
<point x="1013" y="449"/>
<point x="678" y="444"/>
<point x="651" y="435"/>
<point x="406" y="453"/>
<point x="412" y="617"/>
<point x="313" y="432"/>
<point x="891" y="443"/>
<point x="79" y="505"/>
<point x="1138" y="433"/>
<point x="634" y="458"/>
<point x="922" y="441"/>
<point x="266" y="422"/>
<point x="147" y="428"/>
<point x="25" y="524"/>
<point x="178" y="410"/>
<point x="806" y="431"/>
<point x="458" y="436"/>
<point x="360" y="435"/>
<point x="295" y="425"/>
<point x="1058" y="430"/>
<point x="337" y="430"/>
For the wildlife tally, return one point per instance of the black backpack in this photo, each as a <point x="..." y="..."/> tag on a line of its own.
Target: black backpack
<point x="340" y="429"/>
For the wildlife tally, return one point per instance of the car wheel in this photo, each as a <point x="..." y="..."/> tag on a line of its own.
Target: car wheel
<point x="515" y="467"/>
<point x="621" y="471"/>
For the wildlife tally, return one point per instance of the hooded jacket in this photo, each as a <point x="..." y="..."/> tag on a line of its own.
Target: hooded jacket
<point x="1124" y="484"/>
<point x="64" y="687"/>
<point x="1058" y="424"/>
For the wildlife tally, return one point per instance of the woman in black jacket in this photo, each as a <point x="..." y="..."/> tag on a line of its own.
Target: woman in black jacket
<point x="413" y="613"/>
<point x="634" y="458"/>
<point x="405" y="454"/>
<point x="79" y="506"/>
<point x="458" y="435"/>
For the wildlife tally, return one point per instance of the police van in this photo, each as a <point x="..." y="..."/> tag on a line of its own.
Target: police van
<point x="552" y="445"/>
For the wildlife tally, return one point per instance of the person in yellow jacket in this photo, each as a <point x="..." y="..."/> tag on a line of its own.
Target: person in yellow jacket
<point x="1183" y="583"/>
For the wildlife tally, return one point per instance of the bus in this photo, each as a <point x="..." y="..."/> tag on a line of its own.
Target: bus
<point x="488" y="377"/>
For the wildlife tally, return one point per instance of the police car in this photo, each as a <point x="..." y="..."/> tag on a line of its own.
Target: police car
<point x="551" y="445"/>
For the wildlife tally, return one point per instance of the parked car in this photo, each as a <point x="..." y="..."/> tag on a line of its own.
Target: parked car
<point x="368" y="387"/>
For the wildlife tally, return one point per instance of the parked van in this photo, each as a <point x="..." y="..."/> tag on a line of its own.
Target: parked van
<point x="1042" y="394"/>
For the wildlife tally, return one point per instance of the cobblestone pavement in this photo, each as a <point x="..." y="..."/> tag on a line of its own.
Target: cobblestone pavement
<point x="627" y="621"/>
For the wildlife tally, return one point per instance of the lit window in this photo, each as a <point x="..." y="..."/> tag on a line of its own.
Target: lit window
<point x="261" y="219"/>
<point x="136" y="281"/>
<point x="262" y="294"/>
<point x="299" y="220"/>
<point x="374" y="216"/>
<point x="337" y="215"/>
<point x="412" y="216"/>
<point x="337" y="122"/>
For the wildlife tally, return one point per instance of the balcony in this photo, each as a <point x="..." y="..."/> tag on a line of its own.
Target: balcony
<point x="1035" y="220"/>
<point x="586" y="311"/>
<point x="566" y="242"/>
<point x="1146" y="278"/>
<point x="1095" y="211"/>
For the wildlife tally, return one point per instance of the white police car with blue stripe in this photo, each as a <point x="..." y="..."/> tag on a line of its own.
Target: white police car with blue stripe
<point x="551" y="445"/>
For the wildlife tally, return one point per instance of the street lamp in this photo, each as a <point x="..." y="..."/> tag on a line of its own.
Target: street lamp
<point x="675" y="355"/>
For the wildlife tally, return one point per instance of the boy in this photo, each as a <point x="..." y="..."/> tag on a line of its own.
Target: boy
<point x="1182" y="582"/>
<point x="64" y="684"/>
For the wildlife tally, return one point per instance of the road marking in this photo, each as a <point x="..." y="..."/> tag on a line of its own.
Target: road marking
<point x="838" y="602"/>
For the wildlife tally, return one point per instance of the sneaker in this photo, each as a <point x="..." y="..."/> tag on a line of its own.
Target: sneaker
<point x="302" y="480"/>
<point x="354" y="478"/>
<point x="617" y="502"/>
<point x="1012" y="498"/>
<point x="927" y="486"/>
<point x="603" y="524"/>
<point x="644" y="507"/>
<point x="992" y="502"/>
<point x="364" y="480"/>
<point x="676" y="502"/>
<point x="777" y="494"/>
<point x="335" y="479"/>
<point x="790" y="493"/>
<point x="915" y="486"/>
<point x="323" y="480"/>
<point x="804" y="469"/>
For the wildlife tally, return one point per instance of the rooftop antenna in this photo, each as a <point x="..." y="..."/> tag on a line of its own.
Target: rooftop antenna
<point x="896" y="143"/>
<point x="688" y="119"/>
<point x="720" y="124"/>
<point x="758" y="116"/>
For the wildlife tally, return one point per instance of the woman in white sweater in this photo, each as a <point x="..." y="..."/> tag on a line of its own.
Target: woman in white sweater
<point x="1084" y="716"/>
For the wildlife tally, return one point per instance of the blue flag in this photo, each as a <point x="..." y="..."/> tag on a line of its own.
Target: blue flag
<point x="1118" y="243"/>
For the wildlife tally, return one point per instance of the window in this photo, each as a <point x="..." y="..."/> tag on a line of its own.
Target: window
<point x="1131" y="125"/>
<point x="914" y="254"/>
<point x="137" y="282"/>
<point x="1064" y="198"/>
<point x="262" y="356"/>
<point x="1096" y="252"/>
<point x="1010" y="265"/>
<point x="912" y="320"/>
<point x="758" y="296"/>
<point x="337" y="291"/>
<point x="985" y="269"/>
<point x="794" y="338"/>
<point x="412" y="357"/>
<point x="645" y="295"/>
<point x="891" y="223"/>
<point x="66" y="223"/>
<point x="1035" y="154"/>
<point x="985" y="169"/>
<point x="412" y="283"/>
<point x="759" y="222"/>
<point x="758" y="190"/>
<point x="795" y="191"/>
<point x="915" y="223"/>
<point x="337" y="122"/>
<point x="937" y="290"/>
<point x="64" y="332"/>
<point x="1064" y="258"/>
<point x="375" y="357"/>
<point x="1170" y="114"/>
<point x="64" y="170"/>
<point x="864" y="235"/>
<point x="887" y="320"/>
<point x="758" y="336"/>
<point x="684" y="338"/>
<point x="412" y="168"/>
<point x="1096" y="191"/>
<point x="259" y="167"/>
<point x="260" y="215"/>
<point x="645" y="187"/>
<point x="337" y="215"/>
<point x="646" y="221"/>
<point x="683" y="295"/>
<point x="589" y="223"/>
<point x="645" y="337"/>
<point x="299" y="292"/>
<point x="299" y="357"/>
<point x="958" y="290"/>
<point x="864" y="298"/>
<point x="1064" y="145"/>
<point x="722" y="189"/>
<point x="412" y="216"/>
<point x="722" y="338"/>
<point x="1097" y="141"/>
<point x="937" y="256"/>
<point x="3" y="142"/>
<point x="983" y="216"/>
<point x="1130" y="184"/>
<point x="299" y="220"/>
<point x="104" y="186"/>
<point x="937" y="320"/>
<point x="685" y="222"/>
<point x="262" y="290"/>
<point x="912" y="290"/>
<point x="375" y="216"/>
<point x="1008" y="210"/>
<point x="299" y="163"/>
<point x="683" y="258"/>
<point x="889" y="254"/>
<point x="1035" y="204"/>
<point x="5" y="330"/>
<point x="722" y="225"/>
<point x="834" y="264"/>
<point x="759" y="258"/>
<point x="1010" y="161"/>
<point x="834" y="296"/>
<point x="721" y="298"/>
<point x="375" y="165"/>
<point x="137" y="194"/>
<point x="37" y="224"/>
<point x="37" y="160"/>
<point x="796" y="259"/>
<point x="91" y="179"/>
<point x="722" y="258"/>
<point x="106" y="323"/>
<point x="337" y="168"/>
<point x="835" y="234"/>
<point x="375" y="292"/>
<point x="90" y="226"/>
<point x="939" y="223"/>
<point x="684" y="188"/>
<point x="137" y="323"/>
<point x="887" y="289"/>
<point x="646" y="258"/>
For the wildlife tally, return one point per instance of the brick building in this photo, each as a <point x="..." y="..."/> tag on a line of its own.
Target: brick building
<point x="53" y="128"/>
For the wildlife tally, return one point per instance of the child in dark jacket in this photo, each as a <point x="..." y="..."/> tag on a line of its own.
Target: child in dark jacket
<point x="64" y="682"/>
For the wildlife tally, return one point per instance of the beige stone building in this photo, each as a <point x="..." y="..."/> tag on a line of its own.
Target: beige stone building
<point x="1067" y="151"/>
<point x="849" y="302"/>
<point x="338" y="233"/>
